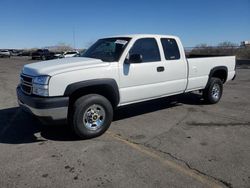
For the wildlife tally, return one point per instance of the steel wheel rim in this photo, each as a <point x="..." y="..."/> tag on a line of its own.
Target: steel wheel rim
<point x="216" y="91"/>
<point x="93" y="117"/>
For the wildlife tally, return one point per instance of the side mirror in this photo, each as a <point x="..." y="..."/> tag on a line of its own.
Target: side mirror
<point x="135" y="58"/>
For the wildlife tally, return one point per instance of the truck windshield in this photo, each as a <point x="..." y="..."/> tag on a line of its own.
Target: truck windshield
<point x="108" y="49"/>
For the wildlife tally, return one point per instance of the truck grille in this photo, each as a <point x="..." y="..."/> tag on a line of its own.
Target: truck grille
<point x="26" y="84"/>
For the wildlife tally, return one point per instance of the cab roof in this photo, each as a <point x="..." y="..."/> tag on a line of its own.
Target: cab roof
<point x="143" y="36"/>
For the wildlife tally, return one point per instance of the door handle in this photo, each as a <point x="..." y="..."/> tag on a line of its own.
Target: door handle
<point x="160" y="69"/>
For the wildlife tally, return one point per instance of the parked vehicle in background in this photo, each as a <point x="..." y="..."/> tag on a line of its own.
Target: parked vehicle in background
<point x="14" y="52"/>
<point x="25" y="53"/>
<point x="5" y="53"/>
<point x="43" y="54"/>
<point x="118" y="71"/>
<point x="58" y="55"/>
<point x="70" y="54"/>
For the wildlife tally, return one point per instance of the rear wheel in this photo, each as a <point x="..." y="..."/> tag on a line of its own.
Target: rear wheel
<point x="213" y="92"/>
<point x="91" y="116"/>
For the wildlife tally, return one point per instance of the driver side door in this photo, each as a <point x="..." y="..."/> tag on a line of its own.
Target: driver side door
<point x="142" y="81"/>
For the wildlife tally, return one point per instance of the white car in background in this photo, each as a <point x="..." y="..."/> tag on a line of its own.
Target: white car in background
<point x="70" y="54"/>
<point x="58" y="55"/>
<point x="5" y="53"/>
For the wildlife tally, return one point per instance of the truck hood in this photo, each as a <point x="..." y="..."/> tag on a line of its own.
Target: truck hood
<point x="57" y="66"/>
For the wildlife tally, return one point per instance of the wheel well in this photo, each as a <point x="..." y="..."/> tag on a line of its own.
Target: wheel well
<point x="103" y="90"/>
<point x="221" y="74"/>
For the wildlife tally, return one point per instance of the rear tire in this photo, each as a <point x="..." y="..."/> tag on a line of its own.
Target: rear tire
<point x="213" y="91"/>
<point x="91" y="116"/>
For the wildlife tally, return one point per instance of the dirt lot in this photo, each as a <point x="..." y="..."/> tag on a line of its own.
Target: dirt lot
<point x="171" y="142"/>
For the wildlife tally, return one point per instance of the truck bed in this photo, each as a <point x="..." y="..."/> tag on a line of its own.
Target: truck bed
<point x="199" y="69"/>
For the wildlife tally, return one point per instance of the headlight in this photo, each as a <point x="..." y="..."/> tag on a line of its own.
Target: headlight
<point x="41" y="90"/>
<point x="43" y="80"/>
<point x="40" y="85"/>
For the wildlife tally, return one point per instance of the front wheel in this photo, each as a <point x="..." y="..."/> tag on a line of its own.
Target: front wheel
<point x="91" y="116"/>
<point x="213" y="92"/>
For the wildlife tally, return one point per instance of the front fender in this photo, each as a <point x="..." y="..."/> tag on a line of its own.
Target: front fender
<point x="98" y="84"/>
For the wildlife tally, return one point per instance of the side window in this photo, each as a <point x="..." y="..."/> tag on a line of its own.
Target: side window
<point x="148" y="48"/>
<point x="171" y="50"/>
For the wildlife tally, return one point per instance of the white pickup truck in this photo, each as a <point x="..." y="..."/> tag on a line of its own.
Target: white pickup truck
<point x="117" y="71"/>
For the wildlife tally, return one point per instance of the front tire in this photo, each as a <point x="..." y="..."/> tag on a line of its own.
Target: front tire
<point x="213" y="91"/>
<point x="91" y="116"/>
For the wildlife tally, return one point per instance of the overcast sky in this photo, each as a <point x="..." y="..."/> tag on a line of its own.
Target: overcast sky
<point x="34" y="23"/>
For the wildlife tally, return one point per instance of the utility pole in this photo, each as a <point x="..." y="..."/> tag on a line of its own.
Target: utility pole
<point x="74" y="38"/>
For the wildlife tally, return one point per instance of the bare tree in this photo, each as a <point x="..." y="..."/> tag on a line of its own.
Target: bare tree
<point x="227" y="44"/>
<point x="61" y="47"/>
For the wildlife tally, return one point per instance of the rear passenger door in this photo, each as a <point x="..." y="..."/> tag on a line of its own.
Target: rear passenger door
<point x="140" y="81"/>
<point x="175" y="64"/>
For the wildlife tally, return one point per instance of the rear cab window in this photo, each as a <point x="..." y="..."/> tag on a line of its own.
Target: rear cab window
<point x="170" y="48"/>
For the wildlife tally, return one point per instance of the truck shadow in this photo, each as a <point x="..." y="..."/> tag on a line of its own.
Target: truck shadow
<point x="17" y="127"/>
<point x="157" y="104"/>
